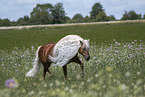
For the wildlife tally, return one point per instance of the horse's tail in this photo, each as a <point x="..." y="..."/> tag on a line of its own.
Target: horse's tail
<point x="36" y="67"/>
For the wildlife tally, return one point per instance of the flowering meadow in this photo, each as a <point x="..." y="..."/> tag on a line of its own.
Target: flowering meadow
<point x="116" y="67"/>
<point x="116" y="70"/>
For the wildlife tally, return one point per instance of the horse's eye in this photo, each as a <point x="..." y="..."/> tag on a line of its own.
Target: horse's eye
<point x="84" y="48"/>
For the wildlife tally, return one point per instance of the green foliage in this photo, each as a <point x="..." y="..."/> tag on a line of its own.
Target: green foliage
<point x="131" y="15"/>
<point x="87" y="19"/>
<point x="144" y="16"/>
<point x="96" y="9"/>
<point x="5" y="22"/>
<point x="58" y="14"/>
<point x="101" y="17"/>
<point x="67" y="18"/>
<point x="23" y="21"/>
<point x="41" y="14"/>
<point x="98" y="14"/>
<point x="49" y="14"/>
<point x="45" y="14"/>
<point x="78" y="17"/>
<point x="111" y="18"/>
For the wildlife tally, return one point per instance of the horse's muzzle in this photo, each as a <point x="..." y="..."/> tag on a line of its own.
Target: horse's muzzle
<point x="87" y="58"/>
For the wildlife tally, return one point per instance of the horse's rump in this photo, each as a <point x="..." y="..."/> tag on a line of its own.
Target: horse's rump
<point x="45" y="51"/>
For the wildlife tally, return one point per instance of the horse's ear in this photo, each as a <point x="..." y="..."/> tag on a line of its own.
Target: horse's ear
<point x="81" y="42"/>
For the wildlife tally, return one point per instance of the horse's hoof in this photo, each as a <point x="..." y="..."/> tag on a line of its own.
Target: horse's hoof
<point x="65" y="78"/>
<point x="51" y="75"/>
<point x="82" y="75"/>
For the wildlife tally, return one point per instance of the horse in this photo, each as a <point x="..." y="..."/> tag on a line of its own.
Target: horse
<point x="61" y="53"/>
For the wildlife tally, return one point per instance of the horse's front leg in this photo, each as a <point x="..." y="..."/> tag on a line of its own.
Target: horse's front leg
<point x="82" y="66"/>
<point x="77" y="60"/>
<point x="65" y="72"/>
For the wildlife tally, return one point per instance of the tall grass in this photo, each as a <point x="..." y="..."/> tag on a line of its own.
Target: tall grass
<point x="115" y="70"/>
<point x="101" y="34"/>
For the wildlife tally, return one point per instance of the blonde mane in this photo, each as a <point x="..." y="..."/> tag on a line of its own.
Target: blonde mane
<point x="66" y="49"/>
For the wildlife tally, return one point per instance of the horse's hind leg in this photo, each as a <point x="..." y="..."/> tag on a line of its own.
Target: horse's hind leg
<point x="50" y="72"/>
<point x="46" y="68"/>
<point x="44" y="72"/>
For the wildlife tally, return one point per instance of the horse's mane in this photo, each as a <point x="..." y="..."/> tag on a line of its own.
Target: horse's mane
<point x="66" y="49"/>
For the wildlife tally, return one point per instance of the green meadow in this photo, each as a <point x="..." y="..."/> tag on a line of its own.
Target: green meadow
<point x="99" y="33"/>
<point x="116" y="67"/>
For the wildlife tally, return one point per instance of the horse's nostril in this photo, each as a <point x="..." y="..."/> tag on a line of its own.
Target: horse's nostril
<point x="88" y="58"/>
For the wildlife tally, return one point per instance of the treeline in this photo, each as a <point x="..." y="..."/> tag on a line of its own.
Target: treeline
<point x="49" y="14"/>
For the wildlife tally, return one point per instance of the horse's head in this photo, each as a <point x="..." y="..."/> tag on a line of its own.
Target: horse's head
<point x="84" y="49"/>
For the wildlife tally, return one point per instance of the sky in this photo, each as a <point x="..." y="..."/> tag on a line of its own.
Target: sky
<point x="14" y="9"/>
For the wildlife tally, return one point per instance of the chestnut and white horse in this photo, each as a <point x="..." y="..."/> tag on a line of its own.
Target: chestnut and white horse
<point x="60" y="54"/>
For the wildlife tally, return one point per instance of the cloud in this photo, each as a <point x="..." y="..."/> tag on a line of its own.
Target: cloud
<point x="26" y="1"/>
<point x="140" y="5"/>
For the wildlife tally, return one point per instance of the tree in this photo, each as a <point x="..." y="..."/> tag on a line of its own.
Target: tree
<point x="58" y="14"/>
<point x="41" y="14"/>
<point x="144" y="16"/>
<point x="101" y="17"/>
<point x="87" y="19"/>
<point x="67" y="18"/>
<point x="125" y="16"/>
<point x="23" y="21"/>
<point x="131" y="15"/>
<point x="96" y="9"/>
<point x="78" y="17"/>
<point x="5" y="22"/>
<point x="111" y="18"/>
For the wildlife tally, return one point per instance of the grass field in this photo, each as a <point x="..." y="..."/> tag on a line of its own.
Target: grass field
<point x="101" y="34"/>
<point x="116" y="67"/>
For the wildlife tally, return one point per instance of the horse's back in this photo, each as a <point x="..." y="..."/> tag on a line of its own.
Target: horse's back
<point x="45" y="51"/>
